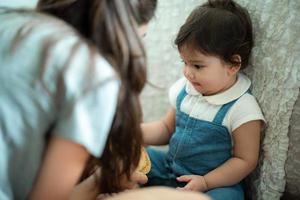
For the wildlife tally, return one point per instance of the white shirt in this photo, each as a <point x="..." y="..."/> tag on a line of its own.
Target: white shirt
<point x="196" y="105"/>
<point x="19" y="3"/>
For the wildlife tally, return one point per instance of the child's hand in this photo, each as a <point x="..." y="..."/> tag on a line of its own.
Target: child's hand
<point x="194" y="183"/>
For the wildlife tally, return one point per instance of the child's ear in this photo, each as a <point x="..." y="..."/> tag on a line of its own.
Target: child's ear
<point x="234" y="68"/>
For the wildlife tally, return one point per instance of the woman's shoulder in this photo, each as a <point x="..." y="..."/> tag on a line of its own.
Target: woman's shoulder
<point x="22" y="26"/>
<point x="52" y="49"/>
<point x="19" y="17"/>
<point x="49" y="41"/>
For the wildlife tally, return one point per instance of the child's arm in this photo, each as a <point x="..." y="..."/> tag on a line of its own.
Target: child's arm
<point x="245" y="157"/>
<point x="62" y="166"/>
<point x="159" y="132"/>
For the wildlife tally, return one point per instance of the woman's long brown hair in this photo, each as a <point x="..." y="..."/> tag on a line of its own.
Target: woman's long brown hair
<point x="111" y="26"/>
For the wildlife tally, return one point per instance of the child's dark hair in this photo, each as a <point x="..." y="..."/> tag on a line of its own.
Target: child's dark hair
<point x="221" y="28"/>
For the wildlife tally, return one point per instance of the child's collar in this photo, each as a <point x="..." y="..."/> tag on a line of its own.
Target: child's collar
<point x="241" y="86"/>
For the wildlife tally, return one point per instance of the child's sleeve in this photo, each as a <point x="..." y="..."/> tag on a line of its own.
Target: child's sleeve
<point x="175" y="89"/>
<point x="246" y="109"/>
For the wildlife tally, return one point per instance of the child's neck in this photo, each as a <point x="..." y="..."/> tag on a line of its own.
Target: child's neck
<point x="230" y="83"/>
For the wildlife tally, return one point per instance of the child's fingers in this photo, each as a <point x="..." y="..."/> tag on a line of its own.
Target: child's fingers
<point x="187" y="187"/>
<point x="183" y="188"/>
<point x="184" y="178"/>
<point x="180" y="188"/>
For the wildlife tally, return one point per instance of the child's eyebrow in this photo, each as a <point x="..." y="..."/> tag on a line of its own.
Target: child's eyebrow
<point x="192" y="60"/>
<point x="197" y="61"/>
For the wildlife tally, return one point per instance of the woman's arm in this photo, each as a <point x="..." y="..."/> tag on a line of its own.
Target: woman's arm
<point x="159" y="132"/>
<point x="245" y="157"/>
<point x="89" y="190"/>
<point x="62" y="166"/>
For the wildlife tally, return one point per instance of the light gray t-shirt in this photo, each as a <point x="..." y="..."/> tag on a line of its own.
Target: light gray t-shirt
<point x="50" y="81"/>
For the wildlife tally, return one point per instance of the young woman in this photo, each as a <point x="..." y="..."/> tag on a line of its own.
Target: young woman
<point x="71" y="73"/>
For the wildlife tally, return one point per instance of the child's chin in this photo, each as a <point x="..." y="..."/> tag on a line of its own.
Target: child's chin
<point x="200" y="90"/>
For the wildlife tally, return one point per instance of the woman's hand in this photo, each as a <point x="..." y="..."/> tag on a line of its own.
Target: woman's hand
<point x="137" y="178"/>
<point x="194" y="183"/>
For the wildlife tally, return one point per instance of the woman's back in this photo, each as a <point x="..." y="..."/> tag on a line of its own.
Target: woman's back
<point x="50" y="81"/>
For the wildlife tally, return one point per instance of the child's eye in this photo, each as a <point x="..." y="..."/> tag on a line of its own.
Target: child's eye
<point x="198" y="66"/>
<point x="183" y="62"/>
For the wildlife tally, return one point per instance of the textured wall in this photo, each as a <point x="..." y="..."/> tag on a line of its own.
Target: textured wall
<point x="274" y="71"/>
<point x="276" y="80"/>
<point x="164" y="62"/>
<point x="293" y="162"/>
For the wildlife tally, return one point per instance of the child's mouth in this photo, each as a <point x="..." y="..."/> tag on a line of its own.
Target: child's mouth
<point x="195" y="84"/>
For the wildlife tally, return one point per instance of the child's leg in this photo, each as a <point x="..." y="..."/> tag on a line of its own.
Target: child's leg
<point x="159" y="165"/>
<point x="160" y="173"/>
<point x="235" y="192"/>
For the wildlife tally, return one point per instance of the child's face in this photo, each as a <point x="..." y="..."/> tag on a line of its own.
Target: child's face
<point x="208" y="74"/>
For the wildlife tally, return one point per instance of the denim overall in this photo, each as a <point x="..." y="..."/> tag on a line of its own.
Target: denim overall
<point x="197" y="147"/>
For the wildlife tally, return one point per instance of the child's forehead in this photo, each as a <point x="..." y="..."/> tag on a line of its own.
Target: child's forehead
<point x="193" y="54"/>
<point x="188" y="50"/>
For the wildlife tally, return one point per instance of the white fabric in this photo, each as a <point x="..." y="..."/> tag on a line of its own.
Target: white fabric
<point x="19" y="3"/>
<point x="196" y="105"/>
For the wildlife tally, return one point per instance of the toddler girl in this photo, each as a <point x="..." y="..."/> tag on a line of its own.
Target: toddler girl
<point x="213" y="128"/>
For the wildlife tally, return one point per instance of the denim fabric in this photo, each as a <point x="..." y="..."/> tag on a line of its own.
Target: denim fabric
<point x="196" y="147"/>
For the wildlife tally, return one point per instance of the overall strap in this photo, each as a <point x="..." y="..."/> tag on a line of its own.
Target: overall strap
<point x="180" y="98"/>
<point x="224" y="109"/>
<point x="222" y="112"/>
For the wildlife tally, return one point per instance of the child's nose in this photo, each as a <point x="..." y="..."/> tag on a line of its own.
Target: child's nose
<point x="189" y="73"/>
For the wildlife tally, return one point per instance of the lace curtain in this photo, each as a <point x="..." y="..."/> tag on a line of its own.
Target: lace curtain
<point x="274" y="70"/>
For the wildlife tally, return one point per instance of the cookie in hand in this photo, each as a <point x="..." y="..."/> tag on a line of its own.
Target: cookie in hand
<point x="145" y="163"/>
